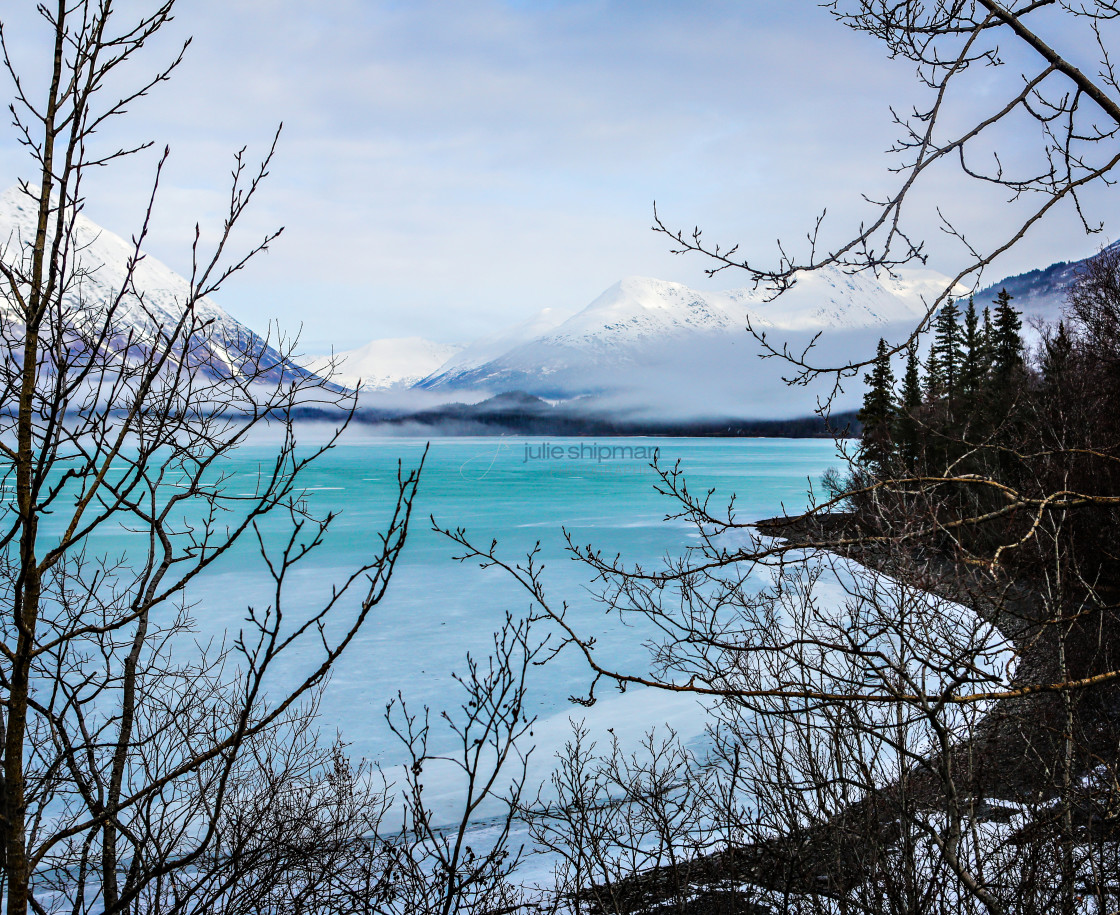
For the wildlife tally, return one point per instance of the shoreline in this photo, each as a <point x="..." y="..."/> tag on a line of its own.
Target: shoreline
<point x="1001" y="752"/>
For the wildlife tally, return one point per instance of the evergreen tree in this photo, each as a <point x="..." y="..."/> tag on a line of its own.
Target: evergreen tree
<point x="911" y="381"/>
<point x="986" y="346"/>
<point x="972" y="367"/>
<point x="878" y="413"/>
<point x="1007" y="341"/>
<point x="935" y="380"/>
<point x="1056" y="357"/>
<point x="1004" y="404"/>
<point x="946" y="354"/>
<point x="909" y="432"/>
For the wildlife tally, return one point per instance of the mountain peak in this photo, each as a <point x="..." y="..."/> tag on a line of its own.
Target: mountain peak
<point x="661" y="343"/>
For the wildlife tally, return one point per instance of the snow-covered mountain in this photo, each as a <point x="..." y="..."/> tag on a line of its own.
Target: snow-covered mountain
<point x="645" y="346"/>
<point x="656" y="344"/>
<point x="154" y="299"/>
<point x="397" y="362"/>
<point x="494" y="346"/>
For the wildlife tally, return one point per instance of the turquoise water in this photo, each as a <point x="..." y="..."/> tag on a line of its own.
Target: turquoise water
<point x="520" y="492"/>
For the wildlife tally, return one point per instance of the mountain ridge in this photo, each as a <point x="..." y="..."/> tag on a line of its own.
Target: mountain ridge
<point x="645" y="343"/>
<point x="644" y="347"/>
<point x="1040" y="292"/>
<point x="149" y="298"/>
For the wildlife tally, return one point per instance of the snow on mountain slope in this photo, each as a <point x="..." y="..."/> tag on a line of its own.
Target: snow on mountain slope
<point x="830" y="299"/>
<point x="638" y="307"/>
<point x="155" y="298"/>
<point x="493" y="346"/>
<point x="383" y="364"/>
<point x="651" y="340"/>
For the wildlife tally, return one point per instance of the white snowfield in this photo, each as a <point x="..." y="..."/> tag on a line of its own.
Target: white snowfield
<point x="395" y="362"/>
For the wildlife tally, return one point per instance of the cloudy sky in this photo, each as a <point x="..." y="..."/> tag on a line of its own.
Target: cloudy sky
<point x="448" y="168"/>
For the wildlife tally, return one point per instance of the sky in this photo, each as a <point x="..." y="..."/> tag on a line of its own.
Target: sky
<point x="446" y="169"/>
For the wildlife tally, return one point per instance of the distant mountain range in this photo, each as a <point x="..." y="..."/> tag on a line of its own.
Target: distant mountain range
<point x="646" y="354"/>
<point x="651" y="349"/>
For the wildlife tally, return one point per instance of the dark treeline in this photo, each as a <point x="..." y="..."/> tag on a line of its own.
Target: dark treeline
<point x="991" y="437"/>
<point x="968" y="391"/>
<point x="997" y="465"/>
<point x="518" y="413"/>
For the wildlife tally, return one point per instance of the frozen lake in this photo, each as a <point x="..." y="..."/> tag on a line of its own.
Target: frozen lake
<point x="518" y="491"/>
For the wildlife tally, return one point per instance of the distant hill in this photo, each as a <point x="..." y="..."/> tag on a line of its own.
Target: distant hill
<point x="1039" y="292"/>
<point x="519" y="413"/>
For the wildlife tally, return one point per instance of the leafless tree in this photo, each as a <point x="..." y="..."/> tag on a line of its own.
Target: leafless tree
<point x="878" y="748"/>
<point x="1041" y="138"/>
<point x="135" y="779"/>
<point x="438" y="871"/>
<point x="613" y="814"/>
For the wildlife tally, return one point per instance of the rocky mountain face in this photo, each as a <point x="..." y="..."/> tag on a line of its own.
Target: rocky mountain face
<point x="1037" y="292"/>
<point x="149" y="301"/>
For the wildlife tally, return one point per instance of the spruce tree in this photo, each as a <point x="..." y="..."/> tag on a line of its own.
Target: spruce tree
<point x="878" y="413"/>
<point x="972" y="368"/>
<point x="1007" y="341"/>
<point x="1056" y="357"/>
<point x="1003" y="402"/>
<point x="911" y="381"/>
<point x="909" y="432"/>
<point x="946" y="355"/>
<point x="986" y="345"/>
<point x="935" y="380"/>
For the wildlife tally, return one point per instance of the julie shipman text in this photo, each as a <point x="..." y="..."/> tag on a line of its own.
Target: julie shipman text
<point x="587" y="451"/>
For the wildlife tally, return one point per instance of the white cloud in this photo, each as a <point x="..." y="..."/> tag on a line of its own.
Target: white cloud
<point x="446" y="167"/>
